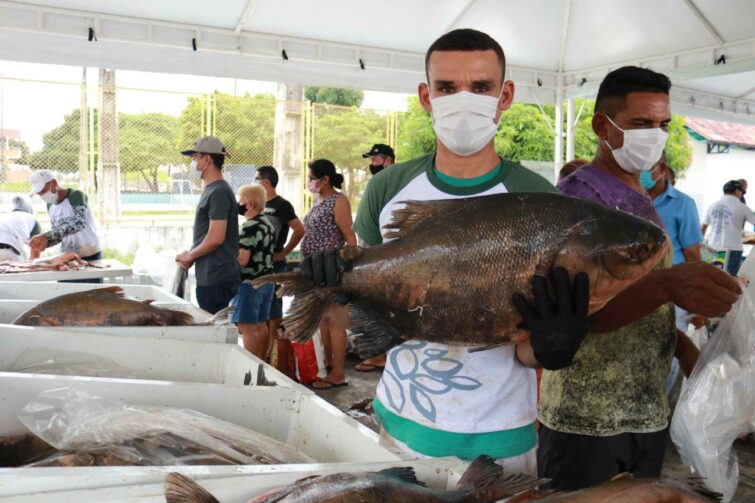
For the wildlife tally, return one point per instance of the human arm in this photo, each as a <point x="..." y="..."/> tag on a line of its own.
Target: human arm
<point x="342" y="216"/>
<point x="688" y="231"/>
<point x="297" y="233"/>
<point x="695" y="287"/>
<point x="211" y="242"/>
<point x="65" y="226"/>
<point x="686" y="352"/>
<point x="703" y="228"/>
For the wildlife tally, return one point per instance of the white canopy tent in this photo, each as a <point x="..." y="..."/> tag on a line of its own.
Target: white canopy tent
<point x="556" y="49"/>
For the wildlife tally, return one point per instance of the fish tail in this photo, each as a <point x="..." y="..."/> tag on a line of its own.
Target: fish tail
<point x="305" y="314"/>
<point x="485" y="479"/>
<point x="181" y="489"/>
<point x="179" y="318"/>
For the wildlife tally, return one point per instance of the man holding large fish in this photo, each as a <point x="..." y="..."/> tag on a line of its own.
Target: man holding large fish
<point x="612" y="402"/>
<point x="454" y="241"/>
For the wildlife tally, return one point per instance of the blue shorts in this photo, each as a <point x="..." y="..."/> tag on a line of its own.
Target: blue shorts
<point x="276" y="308"/>
<point x="252" y="304"/>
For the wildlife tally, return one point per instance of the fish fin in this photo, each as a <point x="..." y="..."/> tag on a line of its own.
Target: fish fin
<point x="291" y="283"/>
<point x="622" y="476"/>
<point x="181" y="489"/>
<point x="305" y="314"/>
<point x="372" y="336"/>
<point x="505" y="486"/>
<point x="262" y="379"/>
<point x="402" y="473"/>
<point x="404" y="219"/>
<point x="481" y="472"/>
<point x="222" y="317"/>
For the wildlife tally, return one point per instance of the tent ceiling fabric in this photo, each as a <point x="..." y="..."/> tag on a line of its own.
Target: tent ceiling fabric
<point x="547" y="42"/>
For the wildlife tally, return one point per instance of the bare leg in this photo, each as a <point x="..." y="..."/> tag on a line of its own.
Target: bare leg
<point x="337" y="348"/>
<point x="326" y="341"/>
<point x="272" y="329"/>
<point x="247" y="335"/>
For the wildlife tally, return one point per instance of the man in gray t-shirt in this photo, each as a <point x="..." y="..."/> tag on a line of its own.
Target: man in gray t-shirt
<point x="215" y="249"/>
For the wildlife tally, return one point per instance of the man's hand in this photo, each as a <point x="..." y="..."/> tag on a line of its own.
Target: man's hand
<point x="557" y="327"/>
<point x="185" y="260"/>
<point x="279" y="257"/>
<point x="38" y="243"/>
<point x="324" y="269"/>
<point x="701" y="288"/>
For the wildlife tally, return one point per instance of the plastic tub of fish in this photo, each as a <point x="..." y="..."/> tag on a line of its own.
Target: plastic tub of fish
<point x="12" y="309"/>
<point x="43" y="290"/>
<point x="48" y="351"/>
<point x="227" y="484"/>
<point x="299" y="419"/>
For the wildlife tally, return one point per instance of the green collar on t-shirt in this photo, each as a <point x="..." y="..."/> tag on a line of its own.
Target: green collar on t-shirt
<point x="468" y="186"/>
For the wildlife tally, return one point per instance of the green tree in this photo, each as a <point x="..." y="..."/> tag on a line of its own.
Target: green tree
<point x="245" y="125"/>
<point x="60" y="146"/>
<point x="415" y="132"/>
<point x="678" y="146"/>
<point x="342" y="135"/>
<point x="334" y="96"/>
<point x="14" y="144"/>
<point x="147" y="141"/>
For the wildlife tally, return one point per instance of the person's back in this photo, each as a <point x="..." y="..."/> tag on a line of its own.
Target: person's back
<point x="726" y="217"/>
<point x="15" y="230"/>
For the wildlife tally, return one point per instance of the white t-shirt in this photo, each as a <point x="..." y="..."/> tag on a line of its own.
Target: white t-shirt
<point x="441" y="386"/>
<point x="726" y="219"/>
<point x="15" y="230"/>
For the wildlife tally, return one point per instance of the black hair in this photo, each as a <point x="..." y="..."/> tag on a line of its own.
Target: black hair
<point x="323" y="167"/>
<point x="218" y="160"/>
<point x="466" y="40"/>
<point x="628" y="79"/>
<point x="732" y="186"/>
<point x="270" y="174"/>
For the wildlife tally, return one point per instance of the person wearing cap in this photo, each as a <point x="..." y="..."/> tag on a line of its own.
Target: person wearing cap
<point x="381" y="156"/>
<point x="16" y="228"/>
<point x="726" y="218"/>
<point x="216" y="229"/>
<point x="73" y="224"/>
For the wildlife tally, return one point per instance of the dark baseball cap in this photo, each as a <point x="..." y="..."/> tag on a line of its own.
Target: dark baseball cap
<point x="206" y="145"/>
<point x="380" y="148"/>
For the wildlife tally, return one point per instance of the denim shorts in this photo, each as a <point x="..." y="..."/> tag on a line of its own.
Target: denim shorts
<point x="252" y="305"/>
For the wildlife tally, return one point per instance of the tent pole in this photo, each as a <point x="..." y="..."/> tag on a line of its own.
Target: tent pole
<point x="570" y="125"/>
<point x="558" y="148"/>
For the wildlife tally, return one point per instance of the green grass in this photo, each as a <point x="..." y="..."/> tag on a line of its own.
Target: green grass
<point x="17" y="187"/>
<point x="127" y="258"/>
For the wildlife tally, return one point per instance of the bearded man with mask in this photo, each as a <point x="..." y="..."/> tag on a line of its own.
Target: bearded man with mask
<point x="216" y="229"/>
<point x="439" y="400"/>
<point x="72" y="221"/>
<point x="608" y="412"/>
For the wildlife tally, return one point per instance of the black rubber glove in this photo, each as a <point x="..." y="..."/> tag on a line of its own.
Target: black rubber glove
<point x="324" y="269"/>
<point x="558" y="326"/>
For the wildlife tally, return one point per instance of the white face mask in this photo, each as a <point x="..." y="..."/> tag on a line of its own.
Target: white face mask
<point x="641" y="149"/>
<point x="465" y="122"/>
<point x="50" y="197"/>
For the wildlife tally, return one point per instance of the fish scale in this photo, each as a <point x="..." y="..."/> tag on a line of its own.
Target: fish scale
<point x="451" y="267"/>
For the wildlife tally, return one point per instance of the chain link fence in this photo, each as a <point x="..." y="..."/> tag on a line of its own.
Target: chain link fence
<point x="84" y="139"/>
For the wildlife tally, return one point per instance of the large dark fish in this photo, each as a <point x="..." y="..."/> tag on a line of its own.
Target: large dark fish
<point x="100" y="307"/>
<point x="450" y="274"/>
<point x="482" y="482"/>
<point x="624" y="489"/>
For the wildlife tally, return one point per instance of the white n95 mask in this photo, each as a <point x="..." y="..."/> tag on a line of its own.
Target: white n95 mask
<point x="641" y="149"/>
<point x="465" y="122"/>
<point x="50" y="197"/>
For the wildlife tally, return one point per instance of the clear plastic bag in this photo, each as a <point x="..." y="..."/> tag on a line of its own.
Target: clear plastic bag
<point x="718" y="403"/>
<point x="72" y="363"/>
<point x="85" y="425"/>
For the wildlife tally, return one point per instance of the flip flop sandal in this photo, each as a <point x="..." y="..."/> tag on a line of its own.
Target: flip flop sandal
<point x="328" y="384"/>
<point x="368" y="367"/>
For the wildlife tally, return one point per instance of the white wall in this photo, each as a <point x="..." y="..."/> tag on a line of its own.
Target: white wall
<point x="708" y="173"/>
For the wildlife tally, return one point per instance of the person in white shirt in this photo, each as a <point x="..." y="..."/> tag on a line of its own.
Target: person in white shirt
<point x="16" y="228"/>
<point x="726" y="218"/>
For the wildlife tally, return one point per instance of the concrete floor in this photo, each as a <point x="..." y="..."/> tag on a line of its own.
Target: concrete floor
<point x="355" y="398"/>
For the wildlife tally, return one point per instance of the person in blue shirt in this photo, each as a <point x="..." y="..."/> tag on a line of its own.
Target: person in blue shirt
<point x="678" y="212"/>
